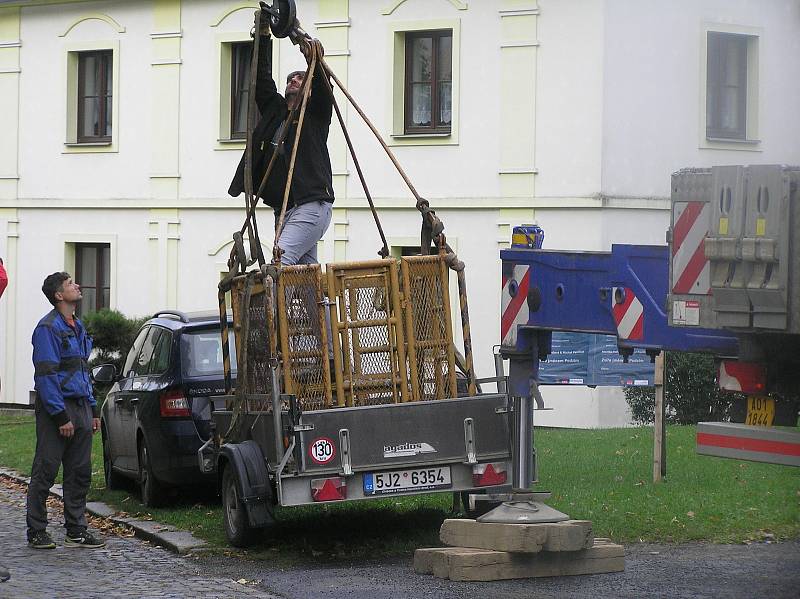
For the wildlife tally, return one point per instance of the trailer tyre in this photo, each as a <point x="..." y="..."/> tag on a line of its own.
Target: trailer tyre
<point x="234" y="513"/>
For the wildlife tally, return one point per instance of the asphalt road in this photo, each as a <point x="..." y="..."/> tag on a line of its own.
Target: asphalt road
<point x="128" y="567"/>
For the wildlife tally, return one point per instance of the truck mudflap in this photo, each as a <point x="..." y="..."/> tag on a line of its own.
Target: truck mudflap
<point x="248" y="461"/>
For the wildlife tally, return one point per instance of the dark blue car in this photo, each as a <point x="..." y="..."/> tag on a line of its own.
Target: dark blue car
<point x="158" y="412"/>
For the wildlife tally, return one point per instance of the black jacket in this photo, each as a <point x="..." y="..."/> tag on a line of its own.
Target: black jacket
<point x="312" y="179"/>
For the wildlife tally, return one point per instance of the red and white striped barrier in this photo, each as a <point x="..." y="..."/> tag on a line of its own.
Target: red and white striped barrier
<point x="514" y="304"/>
<point x="690" y="268"/>
<point x="628" y="315"/>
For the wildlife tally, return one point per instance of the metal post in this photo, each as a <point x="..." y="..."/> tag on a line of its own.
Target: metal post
<point x="499" y="372"/>
<point x="276" y="411"/>
<point x="522" y="476"/>
<point x="658" y="424"/>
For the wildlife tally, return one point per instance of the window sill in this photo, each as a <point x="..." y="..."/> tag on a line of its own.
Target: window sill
<point x="90" y="147"/>
<point x="231" y="144"/>
<point x="423" y="139"/>
<point x="729" y="140"/>
<point x="732" y="145"/>
<point x="88" y="144"/>
<point x="420" y="135"/>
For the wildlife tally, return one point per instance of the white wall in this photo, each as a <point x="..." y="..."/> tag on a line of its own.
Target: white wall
<point x="651" y="108"/>
<point x="617" y="109"/>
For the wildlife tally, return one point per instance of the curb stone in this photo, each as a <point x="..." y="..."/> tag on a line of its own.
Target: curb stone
<point x="167" y="536"/>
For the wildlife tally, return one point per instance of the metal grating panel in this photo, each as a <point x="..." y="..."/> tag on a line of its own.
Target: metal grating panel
<point x="369" y="345"/>
<point x="429" y="328"/>
<point x="255" y="332"/>
<point x="304" y="336"/>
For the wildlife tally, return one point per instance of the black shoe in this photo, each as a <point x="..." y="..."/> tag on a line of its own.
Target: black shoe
<point x="4" y="574"/>
<point x="83" y="539"/>
<point x="41" y="540"/>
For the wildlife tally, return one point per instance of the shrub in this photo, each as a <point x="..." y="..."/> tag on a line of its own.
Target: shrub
<point x="690" y="393"/>
<point x="113" y="334"/>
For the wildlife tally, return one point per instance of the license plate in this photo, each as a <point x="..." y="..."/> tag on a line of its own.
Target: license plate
<point x="760" y="411"/>
<point x="398" y="481"/>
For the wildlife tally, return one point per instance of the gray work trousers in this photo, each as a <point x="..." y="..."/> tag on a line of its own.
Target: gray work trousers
<point x="303" y="227"/>
<point x="52" y="450"/>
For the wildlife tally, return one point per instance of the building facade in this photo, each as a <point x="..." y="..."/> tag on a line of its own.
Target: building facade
<point x="121" y="128"/>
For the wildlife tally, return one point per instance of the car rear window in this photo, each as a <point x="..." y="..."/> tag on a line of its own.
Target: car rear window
<point x="201" y="353"/>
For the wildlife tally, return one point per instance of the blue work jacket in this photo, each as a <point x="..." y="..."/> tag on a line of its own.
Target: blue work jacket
<point x="61" y="364"/>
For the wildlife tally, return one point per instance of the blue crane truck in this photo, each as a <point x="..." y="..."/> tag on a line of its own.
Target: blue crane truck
<point x="727" y="283"/>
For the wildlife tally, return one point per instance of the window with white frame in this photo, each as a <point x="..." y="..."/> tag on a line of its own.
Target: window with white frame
<point x="428" y="81"/>
<point x="241" y="54"/>
<point x="424" y="66"/>
<point x="93" y="274"/>
<point x="95" y="85"/>
<point x="92" y="98"/>
<point x="731" y="86"/>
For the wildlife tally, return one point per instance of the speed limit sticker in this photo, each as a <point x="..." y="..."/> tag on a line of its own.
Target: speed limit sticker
<point x="322" y="450"/>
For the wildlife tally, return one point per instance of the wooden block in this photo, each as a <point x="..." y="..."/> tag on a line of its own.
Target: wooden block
<point x="570" y="535"/>
<point x="470" y="564"/>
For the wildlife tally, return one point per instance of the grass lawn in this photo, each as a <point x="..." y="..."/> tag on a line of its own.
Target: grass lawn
<point x="599" y="475"/>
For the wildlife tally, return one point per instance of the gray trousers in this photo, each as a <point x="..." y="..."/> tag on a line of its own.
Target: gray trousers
<point x="303" y="227"/>
<point x="51" y="451"/>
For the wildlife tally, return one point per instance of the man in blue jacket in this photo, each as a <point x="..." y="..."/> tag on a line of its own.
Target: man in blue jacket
<point x="66" y="416"/>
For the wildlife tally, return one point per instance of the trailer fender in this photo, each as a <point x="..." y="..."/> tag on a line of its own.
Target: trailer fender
<point x="252" y="477"/>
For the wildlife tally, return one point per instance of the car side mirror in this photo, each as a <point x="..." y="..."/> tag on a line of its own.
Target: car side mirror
<point x="104" y="373"/>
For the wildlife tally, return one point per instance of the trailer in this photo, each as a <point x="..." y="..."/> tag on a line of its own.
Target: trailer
<point x="349" y="386"/>
<point x="727" y="283"/>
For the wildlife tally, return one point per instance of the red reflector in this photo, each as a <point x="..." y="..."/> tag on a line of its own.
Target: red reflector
<point x="328" y="489"/>
<point x="485" y="475"/>
<point x="174" y="404"/>
<point x="747" y="377"/>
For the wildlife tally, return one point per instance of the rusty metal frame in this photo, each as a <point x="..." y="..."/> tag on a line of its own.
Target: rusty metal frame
<point x="287" y="276"/>
<point x="343" y="280"/>
<point x="443" y="388"/>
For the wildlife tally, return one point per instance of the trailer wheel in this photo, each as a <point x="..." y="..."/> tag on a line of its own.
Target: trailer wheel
<point x="234" y="514"/>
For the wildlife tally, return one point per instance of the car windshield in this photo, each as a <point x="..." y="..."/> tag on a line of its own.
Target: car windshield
<point x="201" y="353"/>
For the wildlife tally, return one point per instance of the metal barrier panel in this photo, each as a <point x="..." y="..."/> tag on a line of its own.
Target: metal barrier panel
<point x="771" y="222"/>
<point x="252" y="334"/>
<point x="689" y="303"/>
<point x="429" y="331"/>
<point x="304" y="336"/>
<point x="369" y="344"/>
<point x="729" y="273"/>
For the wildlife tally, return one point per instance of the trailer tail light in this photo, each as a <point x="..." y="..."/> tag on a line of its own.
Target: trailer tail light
<point x="747" y="377"/>
<point x="329" y="489"/>
<point x="174" y="404"/>
<point x="487" y="475"/>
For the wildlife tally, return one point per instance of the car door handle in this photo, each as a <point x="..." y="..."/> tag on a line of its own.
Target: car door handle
<point x="119" y="399"/>
<point x="134" y="400"/>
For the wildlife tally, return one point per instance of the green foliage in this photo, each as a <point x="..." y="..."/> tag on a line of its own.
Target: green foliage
<point x="690" y="394"/>
<point x="113" y="334"/>
<point x="600" y="475"/>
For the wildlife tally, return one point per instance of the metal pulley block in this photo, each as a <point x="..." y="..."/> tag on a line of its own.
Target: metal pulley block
<point x="282" y="17"/>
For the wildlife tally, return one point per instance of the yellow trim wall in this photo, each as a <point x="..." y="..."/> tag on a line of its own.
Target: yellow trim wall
<point x="518" y="47"/>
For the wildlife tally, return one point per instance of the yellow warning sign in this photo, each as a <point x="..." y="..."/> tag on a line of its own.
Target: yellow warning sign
<point x="723" y="225"/>
<point x="761" y="226"/>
